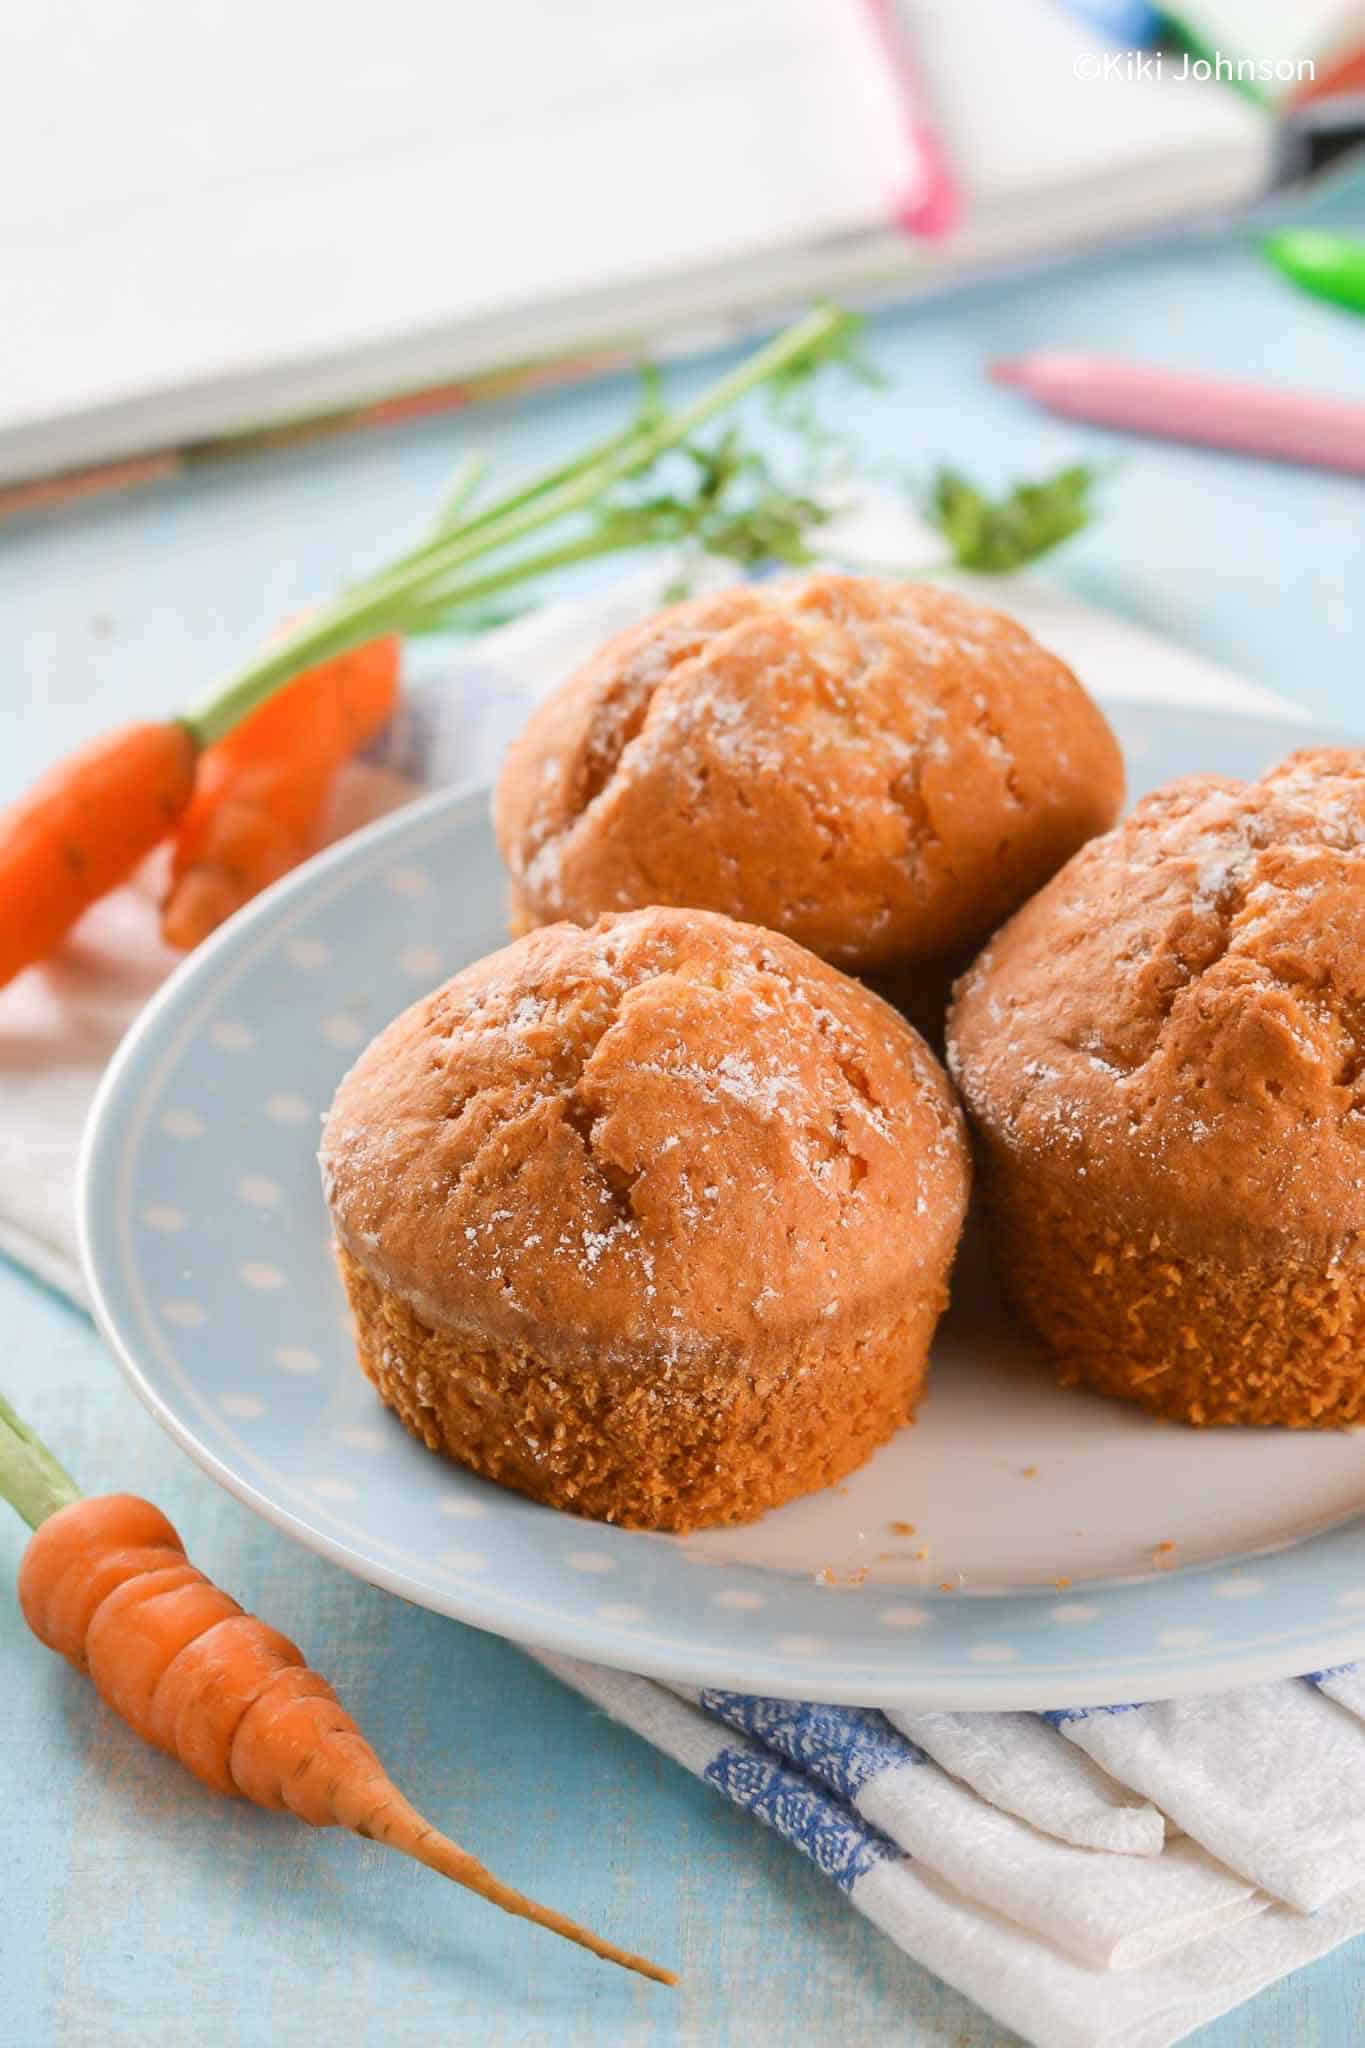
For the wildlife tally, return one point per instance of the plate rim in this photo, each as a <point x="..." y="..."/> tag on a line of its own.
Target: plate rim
<point x="981" y="1688"/>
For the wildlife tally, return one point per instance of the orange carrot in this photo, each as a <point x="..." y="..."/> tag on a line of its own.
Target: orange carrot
<point x="83" y="829"/>
<point x="253" y="809"/>
<point x="261" y="793"/>
<point x="106" y="1583"/>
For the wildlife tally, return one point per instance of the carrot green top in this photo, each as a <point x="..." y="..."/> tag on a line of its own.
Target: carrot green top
<point x="31" y="1480"/>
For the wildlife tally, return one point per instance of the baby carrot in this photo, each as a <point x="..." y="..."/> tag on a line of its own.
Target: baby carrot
<point x="106" y="1583"/>
<point x="440" y="578"/>
<point x="262" y="790"/>
<point x="83" y="829"/>
<point x="252" y="809"/>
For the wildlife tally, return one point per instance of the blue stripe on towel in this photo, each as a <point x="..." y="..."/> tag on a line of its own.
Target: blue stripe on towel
<point x="1332" y="1671"/>
<point x="833" y="1837"/>
<point x="1058" y="1717"/>
<point x="841" y="1746"/>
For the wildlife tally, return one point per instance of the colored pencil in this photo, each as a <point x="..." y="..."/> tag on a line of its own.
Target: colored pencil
<point x="1249" y="419"/>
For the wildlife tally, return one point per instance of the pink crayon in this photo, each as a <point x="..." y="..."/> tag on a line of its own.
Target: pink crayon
<point x="932" y="208"/>
<point x="1251" y="419"/>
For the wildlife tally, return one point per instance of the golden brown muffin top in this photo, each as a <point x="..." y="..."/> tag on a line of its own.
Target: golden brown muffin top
<point x="663" y="1131"/>
<point x="881" y="770"/>
<point x="1182" y="1010"/>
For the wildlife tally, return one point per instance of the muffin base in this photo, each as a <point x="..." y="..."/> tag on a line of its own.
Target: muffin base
<point x="1268" y="1341"/>
<point x="678" y="1445"/>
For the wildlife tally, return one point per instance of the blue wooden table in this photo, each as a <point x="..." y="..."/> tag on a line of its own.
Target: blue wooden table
<point x="139" y="1910"/>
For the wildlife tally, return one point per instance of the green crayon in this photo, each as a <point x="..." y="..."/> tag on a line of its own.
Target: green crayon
<point x="1330" y="266"/>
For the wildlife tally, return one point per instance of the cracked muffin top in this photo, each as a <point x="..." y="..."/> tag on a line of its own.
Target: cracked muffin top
<point x="665" y="1130"/>
<point x="881" y="770"/>
<point x="1180" y="1014"/>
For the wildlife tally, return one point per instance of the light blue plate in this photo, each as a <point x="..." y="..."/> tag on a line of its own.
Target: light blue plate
<point x="1047" y="1515"/>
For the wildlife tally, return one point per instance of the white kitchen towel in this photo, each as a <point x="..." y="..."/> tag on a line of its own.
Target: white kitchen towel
<point x="1345" y="1684"/>
<point x="1024" y="1767"/>
<point x="1025" y="1982"/>
<point x="1270" y="1779"/>
<point x="1110" y="1911"/>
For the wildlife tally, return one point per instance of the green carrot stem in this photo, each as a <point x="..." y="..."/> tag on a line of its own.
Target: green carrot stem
<point x="462" y="486"/>
<point x="539" y="486"/>
<point x="431" y="551"/>
<point x="382" y="603"/>
<point x="424" y="615"/>
<point x="31" y="1480"/>
<point x="421" y="618"/>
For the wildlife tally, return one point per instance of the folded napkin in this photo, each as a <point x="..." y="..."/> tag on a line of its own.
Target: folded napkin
<point x="874" y="1814"/>
<point x="1114" y="1876"/>
<point x="1018" y="1764"/>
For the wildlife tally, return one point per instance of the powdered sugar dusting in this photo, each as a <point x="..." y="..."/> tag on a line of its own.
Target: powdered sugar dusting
<point x="1189" y="994"/>
<point x="667" y="1127"/>
<point x="840" y="714"/>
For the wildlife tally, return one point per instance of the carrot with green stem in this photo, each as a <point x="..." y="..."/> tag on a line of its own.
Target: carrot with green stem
<point x="87" y="826"/>
<point x="106" y="1583"/>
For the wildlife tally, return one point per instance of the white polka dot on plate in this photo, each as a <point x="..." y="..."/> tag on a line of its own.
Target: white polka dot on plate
<point x="420" y="960"/>
<point x="905" y="1617"/>
<point x="186" y="1315"/>
<point x="260" y="1192"/>
<point x="1182" y="1639"/>
<point x="741" y="1598"/>
<point x="1076" y="1612"/>
<point x="287" y="1109"/>
<point x="1239" y="1588"/>
<point x="590" y="1561"/>
<point x="459" y="1509"/>
<point x="802" y="1646"/>
<point x="364" y="1436"/>
<point x="1355" y="1598"/>
<point x="408" y="881"/>
<point x="296" y="1358"/>
<point x="164" y="1217"/>
<point x="622" y="1611"/>
<point x="328" y="1488"/>
<point x="462" y="1560"/>
<point x="307" y="953"/>
<point x="260" y="1276"/>
<point x="231" y="1036"/>
<point x="245" y="1405"/>
<point x="182" y="1123"/>
<point x="993" y="1653"/>
<point x="342" y="1029"/>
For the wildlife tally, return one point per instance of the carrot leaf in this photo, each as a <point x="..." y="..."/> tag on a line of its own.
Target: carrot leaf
<point x="1000" y="534"/>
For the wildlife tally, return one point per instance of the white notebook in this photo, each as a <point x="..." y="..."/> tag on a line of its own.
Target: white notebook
<point x="214" y="218"/>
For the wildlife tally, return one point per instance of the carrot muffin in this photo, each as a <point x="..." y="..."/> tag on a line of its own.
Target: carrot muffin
<point x="1164" y="1056"/>
<point x="881" y="770"/>
<point x="651" y="1221"/>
